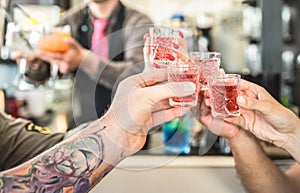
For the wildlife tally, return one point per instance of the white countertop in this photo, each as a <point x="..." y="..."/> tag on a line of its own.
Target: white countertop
<point x="175" y="174"/>
<point x="168" y="161"/>
<point x="146" y="161"/>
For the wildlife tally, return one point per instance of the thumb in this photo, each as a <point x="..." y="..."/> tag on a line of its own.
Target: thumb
<point x="172" y="89"/>
<point x="262" y="106"/>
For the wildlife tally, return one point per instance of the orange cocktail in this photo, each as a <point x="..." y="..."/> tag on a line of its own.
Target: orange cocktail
<point x="53" y="41"/>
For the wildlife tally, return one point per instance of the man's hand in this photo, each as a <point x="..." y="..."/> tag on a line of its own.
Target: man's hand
<point x="141" y="102"/>
<point x="215" y="125"/>
<point x="266" y="118"/>
<point x="69" y="60"/>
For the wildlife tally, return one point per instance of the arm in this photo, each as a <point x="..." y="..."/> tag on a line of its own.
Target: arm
<point x="77" y="163"/>
<point x="257" y="172"/>
<point x="294" y="174"/>
<point x="293" y="143"/>
<point x="81" y="161"/>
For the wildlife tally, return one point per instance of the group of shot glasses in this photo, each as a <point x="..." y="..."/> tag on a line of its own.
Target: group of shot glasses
<point x="202" y="68"/>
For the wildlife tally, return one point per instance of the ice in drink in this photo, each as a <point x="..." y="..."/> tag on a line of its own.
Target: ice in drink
<point x="162" y="43"/>
<point x="209" y="64"/>
<point x="209" y="68"/>
<point x="162" y="52"/>
<point x="223" y="94"/>
<point x="184" y="73"/>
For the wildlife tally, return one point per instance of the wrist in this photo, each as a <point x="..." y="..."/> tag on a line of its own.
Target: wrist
<point x="242" y="138"/>
<point x="242" y="143"/>
<point x="292" y="143"/>
<point x="128" y="142"/>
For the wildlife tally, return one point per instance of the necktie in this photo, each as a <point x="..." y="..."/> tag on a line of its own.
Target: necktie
<point x="99" y="40"/>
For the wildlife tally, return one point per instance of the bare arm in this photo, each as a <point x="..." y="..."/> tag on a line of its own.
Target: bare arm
<point x="257" y="172"/>
<point x="267" y="119"/>
<point x="81" y="161"/>
<point x="75" y="164"/>
<point x="293" y="143"/>
<point x="294" y="175"/>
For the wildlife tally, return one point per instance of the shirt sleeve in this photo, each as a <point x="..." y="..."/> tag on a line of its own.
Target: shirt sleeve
<point x="21" y="140"/>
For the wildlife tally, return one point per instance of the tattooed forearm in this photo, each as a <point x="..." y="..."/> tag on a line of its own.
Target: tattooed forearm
<point x="68" y="165"/>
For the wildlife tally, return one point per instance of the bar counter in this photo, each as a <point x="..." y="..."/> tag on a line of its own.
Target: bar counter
<point x="175" y="174"/>
<point x="152" y="171"/>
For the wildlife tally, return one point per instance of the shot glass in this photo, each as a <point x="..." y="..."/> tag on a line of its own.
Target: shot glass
<point x="209" y="65"/>
<point x="162" y="41"/>
<point x="184" y="73"/>
<point x="223" y="92"/>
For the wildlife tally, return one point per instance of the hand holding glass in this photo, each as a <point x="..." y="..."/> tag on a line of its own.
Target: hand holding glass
<point x="53" y="42"/>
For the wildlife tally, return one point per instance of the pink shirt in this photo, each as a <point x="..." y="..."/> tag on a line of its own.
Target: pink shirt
<point x="99" y="40"/>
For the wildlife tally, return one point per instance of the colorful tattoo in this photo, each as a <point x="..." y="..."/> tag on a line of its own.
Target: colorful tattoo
<point x="66" y="166"/>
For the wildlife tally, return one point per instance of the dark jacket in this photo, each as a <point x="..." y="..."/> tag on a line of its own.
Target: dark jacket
<point x="125" y="31"/>
<point x="21" y="140"/>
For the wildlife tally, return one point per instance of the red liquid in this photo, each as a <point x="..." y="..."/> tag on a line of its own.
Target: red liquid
<point x="224" y="99"/>
<point x="161" y="51"/>
<point x="185" y="77"/>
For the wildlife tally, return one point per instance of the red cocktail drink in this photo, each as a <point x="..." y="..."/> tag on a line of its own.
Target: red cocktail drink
<point x="162" y="52"/>
<point x="162" y="43"/>
<point x="223" y="94"/>
<point x="184" y="73"/>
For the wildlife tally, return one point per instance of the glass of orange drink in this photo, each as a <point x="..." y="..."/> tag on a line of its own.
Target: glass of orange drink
<point x="53" y="42"/>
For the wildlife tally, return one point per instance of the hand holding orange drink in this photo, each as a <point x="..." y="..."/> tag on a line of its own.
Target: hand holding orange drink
<point x="53" y="41"/>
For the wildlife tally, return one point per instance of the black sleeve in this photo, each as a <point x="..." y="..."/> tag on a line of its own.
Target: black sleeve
<point x="21" y="140"/>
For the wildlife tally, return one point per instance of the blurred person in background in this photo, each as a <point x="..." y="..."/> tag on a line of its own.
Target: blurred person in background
<point x="114" y="33"/>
